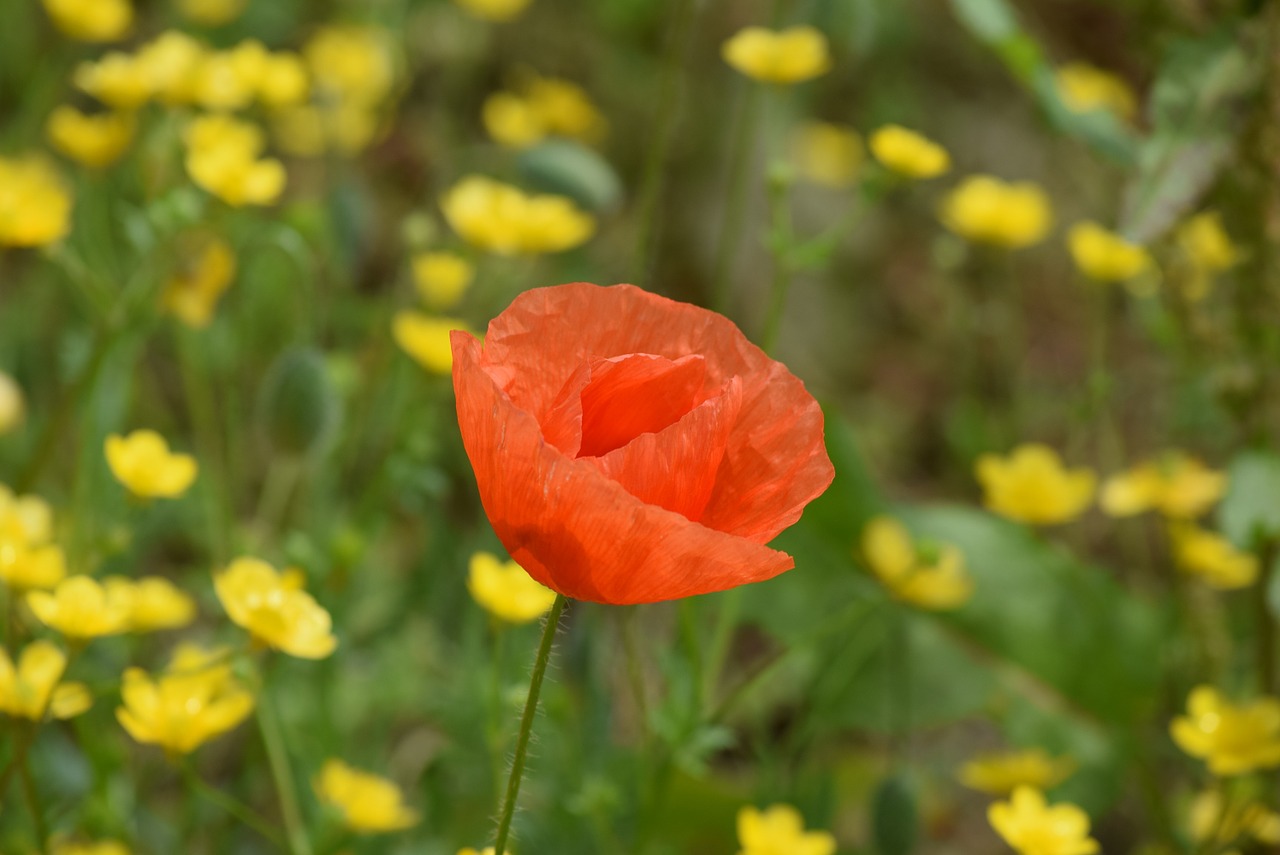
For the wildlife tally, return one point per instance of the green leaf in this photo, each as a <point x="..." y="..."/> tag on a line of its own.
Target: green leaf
<point x="992" y="21"/>
<point x="894" y="818"/>
<point x="571" y="169"/>
<point x="1251" y="508"/>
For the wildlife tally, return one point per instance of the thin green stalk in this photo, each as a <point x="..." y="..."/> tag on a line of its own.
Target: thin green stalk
<point x="635" y="670"/>
<point x="899" y="688"/>
<point x="230" y="804"/>
<point x="283" y="474"/>
<point x="202" y="410"/>
<point x="718" y="649"/>
<point x="31" y="794"/>
<point x="1266" y="630"/>
<point x="282" y="774"/>
<point x="669" y="101"/>
<point x="735" y="202"/>
<point x="781" y="246"/>
<point x="549" y="627"/>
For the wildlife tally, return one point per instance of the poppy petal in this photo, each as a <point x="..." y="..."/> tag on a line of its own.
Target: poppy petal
<point x="572" y="528"/>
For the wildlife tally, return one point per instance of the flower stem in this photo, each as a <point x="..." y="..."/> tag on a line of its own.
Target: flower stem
<point x="549" y="627"/>
<point x="1266" y="631"/>
<point x="669" y="102"/>
<point x="278" y="759"/>
<point x="230" y="804"/>
<point x="32" y="796"/>
<point x="735" y="202"/>
<point x="202" y="408"/>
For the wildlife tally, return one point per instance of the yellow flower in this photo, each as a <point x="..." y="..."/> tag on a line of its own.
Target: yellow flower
<point x="24" y="520"/>
<point x="1001" y="774"/>
<point x="1206" y="243"/>
<point x="1084" y="88"/>
<point x="1176" y="484"/>
<point x="441" y="278"/>
<point x="91" y="20"/>
<point x="1105" y="256"/>
<point x="82" y="609"/>
<point x="1251" y="818"/>
<point x="1032" y="485"/>
<point x="33" y="689"/>
<point x="35" y="204"/>
<point x="506" y="591"/>
<point x="154" y="603"/>
<point x="283" y="80"/>
<point x="229" y="79"/>
<point x="13" y="408"/>
<point x="351" y="63"/>
<point x="488" y="850"/>
<point x="784" y="56"/>
<point x="493" y="10"/>
<point x="499" y="218"/>
<point x="827" y="154"/>
<point x="182" y="710"/>
<point x="117" y="79"/>
<point x="223" y="158"/>
<point x="92" y="140"/>
<point x="512" y="121"/>
<point x="985" y="209"/>
<point x="170" y="65"/>
<point x="1033" y="827"/>
<point x="779" y="830"/>
<point x="426" y="339"/>
<point x="32" y="567"/>
<point x="193" y="293"/>
<point x="211" y="13"/>
<point x="930" y="577"/>
<point x="105" y="847"/>
<point x="367" y="802"/>
<point x="1233" y="740"/>
<point x="1212" y="557"/>
<point x="908" y="153"/>
<point x="276" y="612"/>
<point x="143" y="463"/>
<point x="564" y="108"/>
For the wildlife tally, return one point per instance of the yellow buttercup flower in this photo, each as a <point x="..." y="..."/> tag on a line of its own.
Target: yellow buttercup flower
<point x="283" y="80"/>
<point x="506" y="591"/>
<point x="368" y="803"/>
<point x="80" y="608"/>
<point x="1176" y="484"/>
<point x="426" y="339"/>
<point x="1033" y="827"/>
<point x="779" y="830"/>
<point x="1248" y="819"/>
<point x="928" y="576"/>
<point x="91" y="140"/>
<point x="1208" y="250"/>
<point x="211" y="13"/>
<point x="827" y="154"/>
<point x="181" y="710"/>
<point x="205" y="274"/>
<point x="499" y="218"/>
<point x="783" y="56"/>
<point x="563" y="107"/>
<point x="1212" y="557"/>
<point x="103" y="847"/>
<point x="274" y="610"/>
<point x="512" y="121"/>
<point x="154" y="603"/>
<point x="985" y="209"/>
<point x="24" y="520"/>
<point x="442" y="277"/>
<point x="351" y="63"/>
<point x="1032" y="485"/>
<point x="91" y="20"/>
<point x="1001" y="774"/>
<point x="169" y="65"/>
<point x="223" y="157"/>
<point x="908" y="153"/>
<point x="1105" y="256"/>
<point x="31" y="568"/>
<point x="1232" y="739"/>
<point x="13" y="407"/>
<point x="229" y="79"/>
<point x="493" y="10"/>
<point x="1084" y="88"/>
<point x="33" y="689"/>
<point x="117" y="79"/>
<point x="143" y="463"/>
<point x="35" y="204"/>
<point x="488" y="850"/>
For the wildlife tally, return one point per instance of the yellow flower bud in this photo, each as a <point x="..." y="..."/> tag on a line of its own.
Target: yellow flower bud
<point x="786" y="56"/>
<point x="908" y="153"/>
<point x="441" y="278"/>
<point x="143" y="463"/>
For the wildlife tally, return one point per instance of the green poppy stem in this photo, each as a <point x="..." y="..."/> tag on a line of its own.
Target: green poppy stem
<point x="282" y="773"/>
<point x="549" y="628"/>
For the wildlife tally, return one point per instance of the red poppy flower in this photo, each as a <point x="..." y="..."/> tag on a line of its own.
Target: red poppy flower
<point x="630" y="449"/>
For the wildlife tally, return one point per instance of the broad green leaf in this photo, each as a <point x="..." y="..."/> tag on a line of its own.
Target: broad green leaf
<point x="1251" y="508"/>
